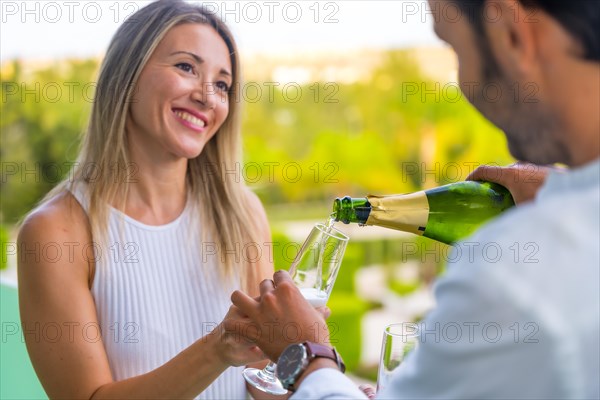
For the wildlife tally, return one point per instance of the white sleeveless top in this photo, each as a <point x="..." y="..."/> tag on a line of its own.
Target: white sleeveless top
<point x="157" y="290"/>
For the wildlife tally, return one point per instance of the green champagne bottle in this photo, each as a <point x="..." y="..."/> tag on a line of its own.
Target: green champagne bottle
<point x="446" y="214"/>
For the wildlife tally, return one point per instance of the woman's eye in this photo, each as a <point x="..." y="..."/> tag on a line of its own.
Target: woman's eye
<point x="187" y="67"/>
<point x="222" y="86"/>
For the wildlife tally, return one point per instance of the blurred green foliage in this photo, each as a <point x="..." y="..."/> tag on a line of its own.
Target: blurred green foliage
<point x="354" y="259"/>
<point x="4" y="242"/>
<point x="42" y="115"/>
<point x="336" y="139"/>
<point x="344" y="324"/>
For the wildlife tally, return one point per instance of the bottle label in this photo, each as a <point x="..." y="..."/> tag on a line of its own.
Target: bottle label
<point x="407" y="212"/>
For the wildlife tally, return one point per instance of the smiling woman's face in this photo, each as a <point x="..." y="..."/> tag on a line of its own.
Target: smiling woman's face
<point x="181" y="98"/>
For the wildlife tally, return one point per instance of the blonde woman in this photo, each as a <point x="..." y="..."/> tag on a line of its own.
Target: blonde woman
<point x="149" y="236"/>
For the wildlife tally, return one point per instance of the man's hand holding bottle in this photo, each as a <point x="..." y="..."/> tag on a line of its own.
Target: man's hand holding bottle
<point x="523" y="180"/>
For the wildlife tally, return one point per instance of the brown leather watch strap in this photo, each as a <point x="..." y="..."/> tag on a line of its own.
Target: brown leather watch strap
<point x="315" y="350"/>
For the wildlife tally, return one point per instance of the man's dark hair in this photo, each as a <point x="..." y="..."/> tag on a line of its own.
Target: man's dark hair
<point x="581" y="18"/>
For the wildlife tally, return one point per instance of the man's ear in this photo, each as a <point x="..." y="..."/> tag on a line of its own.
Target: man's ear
<point x="510" y="30"/>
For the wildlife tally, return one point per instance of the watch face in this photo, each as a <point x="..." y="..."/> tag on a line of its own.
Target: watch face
<point x="291" y="363"/>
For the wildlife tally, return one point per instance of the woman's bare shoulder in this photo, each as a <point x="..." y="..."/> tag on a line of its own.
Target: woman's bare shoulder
<point x="60" y="217"/>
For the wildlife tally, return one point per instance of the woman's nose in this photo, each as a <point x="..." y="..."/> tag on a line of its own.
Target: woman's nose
<point x="206" y="94"/>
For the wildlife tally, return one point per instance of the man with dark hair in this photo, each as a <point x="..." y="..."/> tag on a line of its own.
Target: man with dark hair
<point x="523" y="320"/>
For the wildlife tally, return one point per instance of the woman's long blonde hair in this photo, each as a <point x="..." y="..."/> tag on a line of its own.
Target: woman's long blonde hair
<point x="222" y="201"/>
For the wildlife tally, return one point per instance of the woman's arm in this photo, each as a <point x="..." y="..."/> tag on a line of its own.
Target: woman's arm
<point x="54" y="294"/>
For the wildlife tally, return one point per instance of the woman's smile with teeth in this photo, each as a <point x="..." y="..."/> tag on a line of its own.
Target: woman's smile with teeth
<point x="190" y="118"/>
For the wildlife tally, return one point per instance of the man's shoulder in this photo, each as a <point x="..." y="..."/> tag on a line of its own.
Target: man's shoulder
<point x="550" y="246"/>
<point x="561" y="219"/>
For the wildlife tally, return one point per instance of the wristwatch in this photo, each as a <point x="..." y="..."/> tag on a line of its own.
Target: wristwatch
<point x="295" y="359"/>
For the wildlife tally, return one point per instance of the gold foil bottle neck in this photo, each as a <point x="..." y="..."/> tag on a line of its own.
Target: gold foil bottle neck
<point x="406" y="212"/>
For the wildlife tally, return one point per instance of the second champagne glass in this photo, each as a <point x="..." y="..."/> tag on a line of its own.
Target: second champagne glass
<point x="399" y="340"/>
<point x="314" y="271"/>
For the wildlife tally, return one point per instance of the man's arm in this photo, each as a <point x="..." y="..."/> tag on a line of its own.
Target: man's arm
<point x="493" y="333"/>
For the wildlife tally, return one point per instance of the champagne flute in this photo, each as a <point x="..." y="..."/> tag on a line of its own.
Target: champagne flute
<point x="314" y="271"/>
<point x="399" y="340"/>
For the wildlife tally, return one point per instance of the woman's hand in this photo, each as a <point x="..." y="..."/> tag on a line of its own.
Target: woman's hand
<point x="234" y="349"/>
<point x="523" y="180"/>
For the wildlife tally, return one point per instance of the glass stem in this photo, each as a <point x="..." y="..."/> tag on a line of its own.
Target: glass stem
<point x="268" y="372"/>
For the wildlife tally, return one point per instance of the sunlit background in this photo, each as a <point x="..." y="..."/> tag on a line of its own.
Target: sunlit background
<point x="341" y="98"/>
